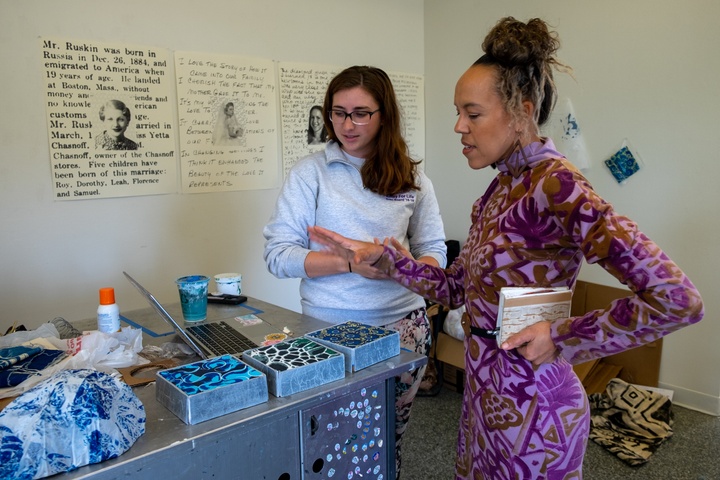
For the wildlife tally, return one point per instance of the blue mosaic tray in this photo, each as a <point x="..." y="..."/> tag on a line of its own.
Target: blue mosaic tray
<point x="296" y="364"/>
<point x="362" y="345"/>
<point x="206" y="389"/>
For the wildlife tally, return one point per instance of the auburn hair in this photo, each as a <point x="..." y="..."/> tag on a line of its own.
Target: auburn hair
<point x="388" y="169"/>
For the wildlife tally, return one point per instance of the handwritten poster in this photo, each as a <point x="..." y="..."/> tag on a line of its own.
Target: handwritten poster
<point x="302" y="89"/>
<point x="227" y="114"/>
<point x="110" y="119"/>
<point x="410" y="92"/>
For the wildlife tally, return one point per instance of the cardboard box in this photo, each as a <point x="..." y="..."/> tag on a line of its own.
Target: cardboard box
<point x="362" y="345"/>
<point x="639" y="366"/>
<point x="206" y="389"/>
<point x="296" y="364"/>
<point x="596" y="374"/>
<point x="449" y="350"/>
<point x="453" y="377"/>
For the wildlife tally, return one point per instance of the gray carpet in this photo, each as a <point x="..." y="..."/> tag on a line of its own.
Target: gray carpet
<point x="692" y="453"/>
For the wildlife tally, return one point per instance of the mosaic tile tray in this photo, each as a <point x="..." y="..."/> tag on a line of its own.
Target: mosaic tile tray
<point x="362" y="345"/>
<point x="206" y="389"/>
<point x="296" y="364"/>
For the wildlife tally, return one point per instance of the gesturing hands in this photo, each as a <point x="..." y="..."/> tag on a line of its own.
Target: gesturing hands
<point x="354" y="251"/>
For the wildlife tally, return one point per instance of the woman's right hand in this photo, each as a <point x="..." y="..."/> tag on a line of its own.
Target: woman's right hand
<point x="368" y="271"/>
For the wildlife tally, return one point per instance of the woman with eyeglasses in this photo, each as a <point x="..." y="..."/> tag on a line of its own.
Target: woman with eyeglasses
<point x="364" y="185"/>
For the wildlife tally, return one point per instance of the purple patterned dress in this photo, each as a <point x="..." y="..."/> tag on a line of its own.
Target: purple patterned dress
<point x="533" y="229"/>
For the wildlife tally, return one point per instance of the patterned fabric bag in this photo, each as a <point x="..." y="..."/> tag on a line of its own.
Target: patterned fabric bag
<point x="19" y="363"/>
<point x="629" y="421"/>
<point x="74" y="418"/>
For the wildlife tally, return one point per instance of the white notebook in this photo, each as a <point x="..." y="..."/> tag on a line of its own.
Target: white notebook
<point x="521" y="307"/>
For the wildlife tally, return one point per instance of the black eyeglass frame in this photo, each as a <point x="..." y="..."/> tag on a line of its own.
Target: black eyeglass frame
<point x="332" y="112"/>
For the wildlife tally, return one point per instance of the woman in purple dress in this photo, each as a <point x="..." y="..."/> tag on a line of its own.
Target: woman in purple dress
<point x="525" y="413"/>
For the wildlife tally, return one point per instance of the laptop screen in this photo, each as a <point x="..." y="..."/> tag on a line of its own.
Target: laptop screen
<point x="166" y="316"/>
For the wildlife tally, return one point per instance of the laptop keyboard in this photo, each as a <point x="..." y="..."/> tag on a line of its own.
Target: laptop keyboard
<point x="220" y="338"/>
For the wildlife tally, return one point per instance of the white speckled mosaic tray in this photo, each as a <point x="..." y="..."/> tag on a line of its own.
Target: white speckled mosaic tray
<point x="296" y="364"/>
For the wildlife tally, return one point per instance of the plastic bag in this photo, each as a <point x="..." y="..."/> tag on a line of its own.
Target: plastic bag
<point x="452" y="325"/>
<point x="18" y="338"/>
<point x="75" y="418"/>
<point x="93" y="350"/>
<point x="104" y="351"/>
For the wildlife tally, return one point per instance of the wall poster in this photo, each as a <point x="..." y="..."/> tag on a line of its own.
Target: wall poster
<point x="410" y="92"/>
<point x="112" y="122"/>
<point x="110" y="119"/>
<point x="227" y="111"/>
<point x="302" y="92"/>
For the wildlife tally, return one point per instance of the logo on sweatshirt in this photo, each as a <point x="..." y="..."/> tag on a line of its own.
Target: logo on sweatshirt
<point x="401" y="197"/>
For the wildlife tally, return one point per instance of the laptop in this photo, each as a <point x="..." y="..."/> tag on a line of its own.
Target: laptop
<point x="208" y="340"/>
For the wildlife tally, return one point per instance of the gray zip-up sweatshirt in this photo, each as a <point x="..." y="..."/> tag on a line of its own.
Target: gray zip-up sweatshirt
<point x="326" y="189"/>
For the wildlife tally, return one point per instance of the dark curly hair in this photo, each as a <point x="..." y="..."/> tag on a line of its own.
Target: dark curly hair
<point x="524" y="55"/>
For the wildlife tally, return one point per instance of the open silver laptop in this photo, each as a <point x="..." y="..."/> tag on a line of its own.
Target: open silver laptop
<point x="207" y="339"/>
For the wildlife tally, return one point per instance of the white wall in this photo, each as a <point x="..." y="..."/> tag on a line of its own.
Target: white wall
<point x="645" y="70"/>
<point x="55" y="255"/>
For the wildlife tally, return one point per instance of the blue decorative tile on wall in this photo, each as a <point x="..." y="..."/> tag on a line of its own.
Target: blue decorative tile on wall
<point x="622" y="164"/>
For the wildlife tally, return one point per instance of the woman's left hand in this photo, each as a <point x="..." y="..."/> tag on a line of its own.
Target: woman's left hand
<point x="533" y="343"/>
<point x="354" y="251"/>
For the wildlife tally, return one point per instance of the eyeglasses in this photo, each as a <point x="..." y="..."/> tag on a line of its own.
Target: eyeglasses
<point x="357" y="118"/>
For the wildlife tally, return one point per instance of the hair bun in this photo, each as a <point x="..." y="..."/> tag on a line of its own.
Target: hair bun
<point x="514" y="43"/>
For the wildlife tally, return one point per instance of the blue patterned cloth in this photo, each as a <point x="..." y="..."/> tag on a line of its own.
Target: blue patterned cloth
<point x="12" y="355"/>
<point x="23" y="362"/>
<point x="74" y="418"/>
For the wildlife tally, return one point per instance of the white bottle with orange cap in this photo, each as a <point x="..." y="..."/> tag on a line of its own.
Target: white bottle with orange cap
<point x="108" y="313"/>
